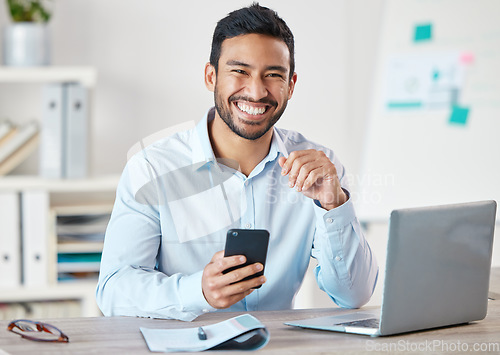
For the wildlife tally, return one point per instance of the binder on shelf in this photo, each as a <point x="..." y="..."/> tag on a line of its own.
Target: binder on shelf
<point x="75" y="142"/>
<point x="51" y="147"/>
<point x="18" y="147"/>
<point x="7" y="130"/>
<point x="10" y="240"/>
<point x="35" y="237"/>
<point x="63" y="152"/>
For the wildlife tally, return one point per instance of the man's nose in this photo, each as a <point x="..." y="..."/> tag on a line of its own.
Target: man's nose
<point x="256" y="88"/>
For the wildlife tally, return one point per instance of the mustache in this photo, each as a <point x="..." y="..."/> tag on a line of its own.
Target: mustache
<point x="264" y="100"/>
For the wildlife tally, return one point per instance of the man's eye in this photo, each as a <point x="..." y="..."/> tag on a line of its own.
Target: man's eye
<point x="275" y="75"/>
<point x="239" y="71"/>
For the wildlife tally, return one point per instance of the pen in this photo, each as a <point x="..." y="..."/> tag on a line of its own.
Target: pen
<point x="201" y="334"/>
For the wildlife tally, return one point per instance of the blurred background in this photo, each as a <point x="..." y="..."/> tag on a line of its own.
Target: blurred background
<point x="363" y="89"/>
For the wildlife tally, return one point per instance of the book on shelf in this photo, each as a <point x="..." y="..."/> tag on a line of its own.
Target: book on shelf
<point x="10" y="244"/>
<point x="40" y="309"/>
<point x="16" y="144"/>
<point x="80" y="236"/>
<point x="7" y="130"/>
<point x="36" y="251"/>
<point x="78" y="266"/>
<point x="63" y="150"/>
<point x="82" y="228"/>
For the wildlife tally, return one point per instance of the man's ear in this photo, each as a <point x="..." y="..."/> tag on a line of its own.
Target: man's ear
<point x="291" y="85"/>
<point x="210" y="77"/>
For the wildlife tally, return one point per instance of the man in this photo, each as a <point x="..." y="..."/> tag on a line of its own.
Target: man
<point x="163" y="252"/>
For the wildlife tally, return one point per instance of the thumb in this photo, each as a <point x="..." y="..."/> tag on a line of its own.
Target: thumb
<point x="281" y="161"/>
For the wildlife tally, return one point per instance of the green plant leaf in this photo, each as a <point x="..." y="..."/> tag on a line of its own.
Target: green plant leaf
<point x="28" y="11"/>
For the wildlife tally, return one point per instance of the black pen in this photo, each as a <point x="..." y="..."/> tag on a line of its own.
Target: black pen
<point x="201" y="334"/>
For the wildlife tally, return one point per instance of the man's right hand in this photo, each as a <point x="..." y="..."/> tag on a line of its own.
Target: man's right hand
<point x="224" y="290"/>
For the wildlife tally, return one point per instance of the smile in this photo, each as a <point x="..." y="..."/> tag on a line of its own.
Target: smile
<point x="251" y="110"/>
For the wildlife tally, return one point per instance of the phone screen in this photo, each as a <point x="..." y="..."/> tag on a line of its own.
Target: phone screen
<point x="252" y="243"/>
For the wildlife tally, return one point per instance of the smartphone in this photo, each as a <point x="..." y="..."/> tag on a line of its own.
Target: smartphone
<point x="252" y="243"/>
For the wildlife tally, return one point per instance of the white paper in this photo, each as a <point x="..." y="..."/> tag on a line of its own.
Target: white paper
<point x="426" y="81"/>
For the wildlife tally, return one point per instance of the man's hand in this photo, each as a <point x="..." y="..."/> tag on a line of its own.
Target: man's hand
<point x="220" y="290"/>
<point x="313" y="174"/>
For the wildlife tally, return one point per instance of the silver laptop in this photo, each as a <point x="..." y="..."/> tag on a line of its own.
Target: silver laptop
<point x="437" y="272"/>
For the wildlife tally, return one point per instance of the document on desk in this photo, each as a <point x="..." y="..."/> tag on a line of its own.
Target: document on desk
<point x="243" y="332"/>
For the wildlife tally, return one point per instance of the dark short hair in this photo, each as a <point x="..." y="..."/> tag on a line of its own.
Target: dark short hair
<point x="252" y="19"/>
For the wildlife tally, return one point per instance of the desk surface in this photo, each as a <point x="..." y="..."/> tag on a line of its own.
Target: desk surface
<point x="113" y="335"/>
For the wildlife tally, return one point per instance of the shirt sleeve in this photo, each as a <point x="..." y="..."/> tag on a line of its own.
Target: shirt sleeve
<point x="347" y="269"/>
<point x="129" y="284"/>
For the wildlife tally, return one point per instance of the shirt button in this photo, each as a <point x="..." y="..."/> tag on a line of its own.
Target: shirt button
<point x="248" y="225"/>
<point x="338" y="258"/>
<point x="329" y="220"/>
<point x="205" y="310"/>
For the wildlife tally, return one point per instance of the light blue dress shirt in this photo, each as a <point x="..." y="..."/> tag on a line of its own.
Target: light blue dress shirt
<point x="174" y="205"/>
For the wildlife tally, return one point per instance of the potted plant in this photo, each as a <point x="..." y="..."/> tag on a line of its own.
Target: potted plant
<point x="26" y="41"/>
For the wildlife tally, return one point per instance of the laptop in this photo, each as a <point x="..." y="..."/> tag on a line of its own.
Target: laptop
<point x="437" y="272"/>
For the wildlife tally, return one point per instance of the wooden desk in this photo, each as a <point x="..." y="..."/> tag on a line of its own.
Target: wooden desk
<point x="121" y="335"/>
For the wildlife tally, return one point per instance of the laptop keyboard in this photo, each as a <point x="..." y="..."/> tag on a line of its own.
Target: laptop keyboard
<point x="364" y="323"/>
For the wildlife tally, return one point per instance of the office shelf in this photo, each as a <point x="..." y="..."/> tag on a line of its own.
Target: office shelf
<point x="35" y="203"/>
<point x="83" y="292"/>
<point x="87" y="76"/>
<point x="65" y="281"/>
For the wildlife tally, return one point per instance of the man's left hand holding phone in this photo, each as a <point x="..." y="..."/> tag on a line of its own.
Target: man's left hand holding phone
<point x="222" y="290"/>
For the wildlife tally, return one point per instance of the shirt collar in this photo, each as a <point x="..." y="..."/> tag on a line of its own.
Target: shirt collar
<point x="203" y="153"/>
<point x="200" y="142"/>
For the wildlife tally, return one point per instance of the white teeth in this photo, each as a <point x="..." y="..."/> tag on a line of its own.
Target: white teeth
<point x="251" y="110"/>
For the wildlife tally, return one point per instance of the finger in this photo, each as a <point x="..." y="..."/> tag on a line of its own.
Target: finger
<point x="220" y="265"/>
<point x="315" y="176"/>
<point x="235" y="276"/>
<point x="305" y="171"/>
<point x="298" y="163"/>
<point x="244" y="286"/>
<point x="240" y="273"/>
<point x="281" y="161"/>
<point x="222" y="302"/>
<point x="290" y="160"/>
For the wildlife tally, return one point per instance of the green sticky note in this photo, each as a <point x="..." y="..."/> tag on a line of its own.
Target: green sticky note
<point x="423" y="32"/>
<point x="404" y="105"/>
<point x="459" y="115"/>
<point x="435" y="75"/>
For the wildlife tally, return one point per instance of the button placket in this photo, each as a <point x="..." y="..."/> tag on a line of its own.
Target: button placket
<point x="248" y="218"/>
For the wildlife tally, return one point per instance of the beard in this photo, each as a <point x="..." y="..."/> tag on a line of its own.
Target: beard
<point x="225" y="113"/>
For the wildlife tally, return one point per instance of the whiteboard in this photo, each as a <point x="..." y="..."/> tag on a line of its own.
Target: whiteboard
<point x="433" y="135"/>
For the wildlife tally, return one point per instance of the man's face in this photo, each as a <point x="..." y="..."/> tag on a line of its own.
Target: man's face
<point x="252" y="86"/>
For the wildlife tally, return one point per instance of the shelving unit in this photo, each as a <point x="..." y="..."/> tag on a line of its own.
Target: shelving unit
<point x="86" y="76"/>
<point x="93" y="195"/>
<point x="36" y="204"/>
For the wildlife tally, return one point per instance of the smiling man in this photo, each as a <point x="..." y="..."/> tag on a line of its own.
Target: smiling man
<point x="163" y="253"/>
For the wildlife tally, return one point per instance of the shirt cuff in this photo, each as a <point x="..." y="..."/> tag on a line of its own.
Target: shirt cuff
<point x="339" y="217"/>
<point x="193" y="300"/>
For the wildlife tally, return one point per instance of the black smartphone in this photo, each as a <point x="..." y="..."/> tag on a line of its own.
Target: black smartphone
<point x="252" y="243"/>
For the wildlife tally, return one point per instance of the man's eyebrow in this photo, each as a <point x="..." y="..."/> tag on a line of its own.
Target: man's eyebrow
<point x="277" y="68"/>
<point x="237" y="63"/>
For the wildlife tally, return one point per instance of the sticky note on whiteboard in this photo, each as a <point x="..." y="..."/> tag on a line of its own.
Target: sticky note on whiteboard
<point x="459" y="115"/>
<point x="467" y="58"/>
<point x="422" y="32"/>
